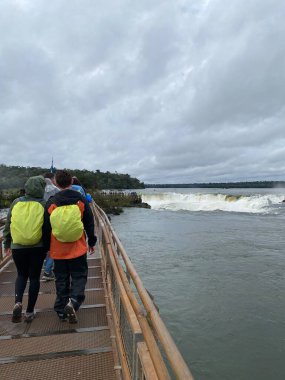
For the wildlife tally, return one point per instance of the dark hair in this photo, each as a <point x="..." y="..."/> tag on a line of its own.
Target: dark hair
<point x="75" y="181"/>
<point x="49" y="175"/>
<point x="63" y="179"/>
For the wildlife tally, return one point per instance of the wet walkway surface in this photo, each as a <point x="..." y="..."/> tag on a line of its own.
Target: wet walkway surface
<point x="47" y="348"/>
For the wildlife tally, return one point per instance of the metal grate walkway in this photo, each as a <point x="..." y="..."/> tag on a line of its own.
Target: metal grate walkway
<point x="50" y="349"/>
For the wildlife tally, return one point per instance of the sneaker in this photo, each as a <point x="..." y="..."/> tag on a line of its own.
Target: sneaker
<point x="17" y="313"/>
<point x="29" y="317"/>
<point x="62" y="317"/>
<point x="48" y="276"/>
<point x="70" y="312"/>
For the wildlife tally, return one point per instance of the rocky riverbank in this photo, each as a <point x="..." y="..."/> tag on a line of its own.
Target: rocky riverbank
<point x="114" y="202"/>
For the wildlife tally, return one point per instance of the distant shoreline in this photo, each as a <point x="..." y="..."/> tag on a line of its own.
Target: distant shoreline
<point x="222" y="185"/>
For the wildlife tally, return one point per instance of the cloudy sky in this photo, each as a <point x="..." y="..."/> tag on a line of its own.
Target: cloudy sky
<point x="165" y="90"/>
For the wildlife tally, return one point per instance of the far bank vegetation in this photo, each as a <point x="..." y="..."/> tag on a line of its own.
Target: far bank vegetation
<point x="13" y="178"/>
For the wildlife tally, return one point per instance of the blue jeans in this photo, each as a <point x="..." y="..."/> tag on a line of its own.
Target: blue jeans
<point x="48" y="264"/>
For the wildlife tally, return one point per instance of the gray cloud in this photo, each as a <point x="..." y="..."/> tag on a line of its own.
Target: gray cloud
<point x="166" y="91"/>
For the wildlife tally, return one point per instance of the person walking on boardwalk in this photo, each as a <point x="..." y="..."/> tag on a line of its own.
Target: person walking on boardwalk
<point x="67" y="218"/>
<point x="76" y="185"/>
<point x="23" y="236"/>
<point x="50" y="191"/>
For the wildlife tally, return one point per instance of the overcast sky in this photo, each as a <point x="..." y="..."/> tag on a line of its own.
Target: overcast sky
<point x="164" y="90"/>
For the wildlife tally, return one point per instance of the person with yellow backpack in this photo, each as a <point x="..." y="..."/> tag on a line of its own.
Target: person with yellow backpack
<point x="23" y="236"/>
<point x="68" y="220"/>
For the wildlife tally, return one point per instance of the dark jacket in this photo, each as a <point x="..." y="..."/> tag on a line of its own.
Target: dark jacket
<point x="60" y="250"/>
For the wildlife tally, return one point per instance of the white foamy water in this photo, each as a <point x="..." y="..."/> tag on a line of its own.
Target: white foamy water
<point x="257" y="203"/>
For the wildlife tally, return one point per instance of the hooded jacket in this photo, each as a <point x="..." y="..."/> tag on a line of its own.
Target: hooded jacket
<point x="70" y="250"/>
<point x="34" y="191"/>
<point x="50" y="189"/>
<point x="79" y="189"/>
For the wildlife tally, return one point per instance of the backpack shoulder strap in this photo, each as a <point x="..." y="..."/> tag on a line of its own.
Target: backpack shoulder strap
<point x="81" y="207"/>
<point x="52" y="207"/>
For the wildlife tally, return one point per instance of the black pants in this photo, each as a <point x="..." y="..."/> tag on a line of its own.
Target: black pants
<point x="70" y="281"/>
<point x="29" y="262"/>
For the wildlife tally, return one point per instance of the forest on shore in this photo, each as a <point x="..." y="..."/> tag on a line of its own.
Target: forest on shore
<point x="14" y="177"/>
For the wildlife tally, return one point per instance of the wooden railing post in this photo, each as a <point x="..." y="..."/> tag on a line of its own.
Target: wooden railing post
<point x="1" y="249"/>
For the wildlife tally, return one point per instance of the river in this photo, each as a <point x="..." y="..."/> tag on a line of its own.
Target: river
<point x="214" y="261"/>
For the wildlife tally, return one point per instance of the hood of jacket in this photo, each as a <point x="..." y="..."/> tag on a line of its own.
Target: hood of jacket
<point x="67" y="197"/>
<point x="35" y="187"/>
<point x="48" y="181"/>
<point x="50" y="189"/>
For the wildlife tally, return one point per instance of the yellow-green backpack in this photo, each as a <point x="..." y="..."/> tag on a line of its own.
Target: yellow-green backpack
<point x="26" y="222"/>
<point x="66" y="223"/>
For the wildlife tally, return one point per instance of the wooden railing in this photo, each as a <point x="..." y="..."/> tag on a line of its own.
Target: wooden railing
<point x="146" y="348"/>
<point x="3" y="258"/>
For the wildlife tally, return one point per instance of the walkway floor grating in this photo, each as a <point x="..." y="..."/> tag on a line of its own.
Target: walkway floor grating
<point x="48" y="348"/>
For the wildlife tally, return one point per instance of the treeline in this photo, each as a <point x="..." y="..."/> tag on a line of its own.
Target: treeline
<point x="14" y="177"/>
<point x="224" y="185"/>
<point x="112" y="202"/>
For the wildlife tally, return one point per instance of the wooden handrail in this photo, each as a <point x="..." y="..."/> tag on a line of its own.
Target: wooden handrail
<point x="146" y="361"/>
<point x="118" y="351"/>
<point x="175" y="359"/>
<point x="140" y="315"/>
<point x="1" y="249"/>
<point x="158" y="362"/>
<point x="3" y="259"/>
<point x="1" y="240"/>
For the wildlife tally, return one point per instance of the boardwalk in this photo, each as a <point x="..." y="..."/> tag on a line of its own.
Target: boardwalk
<point x="48" y="348"/>
<point x="120" y="334"/>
